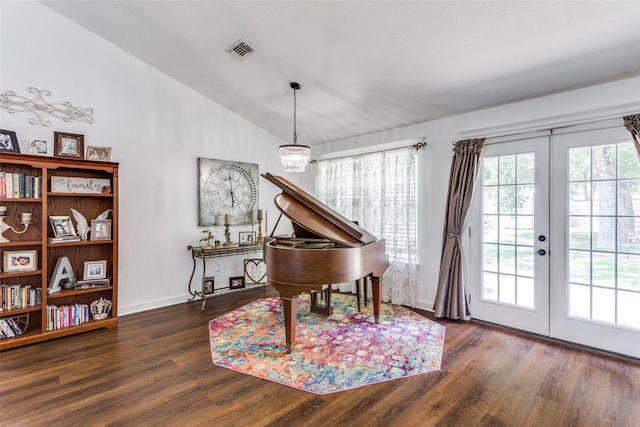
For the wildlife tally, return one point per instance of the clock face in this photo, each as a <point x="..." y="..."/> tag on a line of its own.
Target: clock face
<point x="227" y="188"/>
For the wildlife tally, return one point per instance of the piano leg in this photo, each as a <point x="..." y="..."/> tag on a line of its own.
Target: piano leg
<point x="290" y="305"/>
<point x="376" y="286"/>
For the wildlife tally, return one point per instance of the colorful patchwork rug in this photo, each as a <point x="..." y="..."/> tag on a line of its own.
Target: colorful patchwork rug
<point x="335" y="353"/>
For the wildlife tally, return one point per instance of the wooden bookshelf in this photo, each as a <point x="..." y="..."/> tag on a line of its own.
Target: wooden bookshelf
<point x="42" y="206"/>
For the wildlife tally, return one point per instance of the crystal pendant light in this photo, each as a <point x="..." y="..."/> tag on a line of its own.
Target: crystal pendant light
<point x="294" y="157"/>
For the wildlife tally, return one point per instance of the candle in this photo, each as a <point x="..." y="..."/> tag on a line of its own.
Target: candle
<point x="26" y="218"/>
<point x="259" y="214"/>
<point x="227" y="219"/>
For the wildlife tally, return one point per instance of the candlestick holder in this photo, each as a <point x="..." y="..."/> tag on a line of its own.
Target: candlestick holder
<point x="259" y="239"/>
<point x="26" y="221"/>
<point x="228" y="243"/>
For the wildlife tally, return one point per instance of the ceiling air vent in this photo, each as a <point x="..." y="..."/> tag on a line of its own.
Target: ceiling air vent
<point x="240" y="50"/>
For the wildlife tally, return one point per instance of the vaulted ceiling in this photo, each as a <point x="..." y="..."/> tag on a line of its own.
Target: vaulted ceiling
<point x="366" y="66"/>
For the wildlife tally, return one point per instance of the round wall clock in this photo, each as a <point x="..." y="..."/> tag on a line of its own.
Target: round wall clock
<point x="226" y="188"/>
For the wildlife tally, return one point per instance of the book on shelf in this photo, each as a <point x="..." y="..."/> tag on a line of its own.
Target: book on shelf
<point x="20" y="185"/>
<point x="63" y="239"/>
<point x="3" y="184"/>
<point x="14" y="297"/>
<point x="92" y="284"/>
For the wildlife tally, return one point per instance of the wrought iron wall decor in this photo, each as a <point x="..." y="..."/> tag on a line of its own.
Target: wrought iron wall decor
<point x="41" y="109"/>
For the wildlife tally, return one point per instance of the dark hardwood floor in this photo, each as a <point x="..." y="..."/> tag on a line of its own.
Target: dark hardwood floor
<point x="155" y="370"/>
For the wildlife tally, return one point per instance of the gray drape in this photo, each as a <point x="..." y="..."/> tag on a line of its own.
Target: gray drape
<point x="451" y="299"/>
<point x="632" y="123"/>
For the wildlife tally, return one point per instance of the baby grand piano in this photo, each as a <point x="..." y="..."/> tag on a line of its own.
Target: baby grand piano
<point x="328" y="248"/>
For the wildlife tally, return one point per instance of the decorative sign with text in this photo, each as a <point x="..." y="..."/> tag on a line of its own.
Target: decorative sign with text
<point x="67" y="184"/>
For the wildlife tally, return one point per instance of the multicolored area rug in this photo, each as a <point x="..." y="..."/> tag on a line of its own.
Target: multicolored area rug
<point x="340" y="352"/>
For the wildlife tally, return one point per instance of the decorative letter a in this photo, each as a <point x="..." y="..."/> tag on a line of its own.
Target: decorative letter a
<point x="63" y="271"/>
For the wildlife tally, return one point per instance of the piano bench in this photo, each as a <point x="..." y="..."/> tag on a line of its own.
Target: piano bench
<point x="325" y="294"/>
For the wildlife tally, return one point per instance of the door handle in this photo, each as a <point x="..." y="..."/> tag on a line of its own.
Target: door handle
<point x="542" y="252"/>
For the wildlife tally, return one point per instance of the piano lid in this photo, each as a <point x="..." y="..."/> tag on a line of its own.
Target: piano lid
<point x="316" y="217"/>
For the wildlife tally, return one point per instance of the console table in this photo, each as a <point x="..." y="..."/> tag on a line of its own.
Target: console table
<point x="198" y="252"/>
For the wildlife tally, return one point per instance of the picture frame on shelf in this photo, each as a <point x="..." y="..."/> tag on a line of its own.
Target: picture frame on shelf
<point x="255" y="271"/>
<point x="68" y="145"/>
<point x="9" y="141"/>
<point x="236" y="282"/>
<point x="95" y="270"/>
<point x="40" y="147"/>
<point x="208" y="285"/>
<point x="16" y="261"/>
<point x="102" y="154"/>
<point x="100" y="229"/>
<point x="62" y="226"/>
<point x="247" y="238"/>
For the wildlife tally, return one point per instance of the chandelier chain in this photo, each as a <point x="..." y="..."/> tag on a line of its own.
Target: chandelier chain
<point x="295" y="133"/>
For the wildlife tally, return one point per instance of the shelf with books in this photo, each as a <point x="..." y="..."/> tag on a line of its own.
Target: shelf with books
<point x="17" y="311"/>
<point x="45" y="198"/>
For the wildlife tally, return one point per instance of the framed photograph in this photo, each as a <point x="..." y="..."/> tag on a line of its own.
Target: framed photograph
<point x="62" y="226"/>
<point x="15" y="261"/>
<point x="95" y="270"/>
<point x="236" y="282"/>
<point x="247" y="238"/>
<point x="100" y="229"/>
<point x="99" y="153"/>
<point x="39" y="146"/>
<point x="207" y="285"/>
<point x="9" y="141"/>
<point x="255" y="271"/>
<point x="68" y="145"/>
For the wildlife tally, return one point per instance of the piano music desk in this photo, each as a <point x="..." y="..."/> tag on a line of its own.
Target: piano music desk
<point x="204" y="254"/>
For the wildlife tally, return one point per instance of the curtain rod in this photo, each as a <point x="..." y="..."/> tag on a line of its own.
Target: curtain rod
<point x="359" y="151"/>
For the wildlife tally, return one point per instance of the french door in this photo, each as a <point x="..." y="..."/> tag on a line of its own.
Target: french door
<point x="509" y="240"/>
<point x="560" y="256"/>
<point x="595" y="289"/>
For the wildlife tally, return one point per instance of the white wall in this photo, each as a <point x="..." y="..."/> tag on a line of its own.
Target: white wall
<point x="609" y="100"/>
<point x="156" y="127"/>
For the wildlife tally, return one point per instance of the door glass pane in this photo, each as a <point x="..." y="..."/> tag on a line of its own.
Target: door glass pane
<point x="524" y="234"/>
<point x="508" y="235"/>
<point x="604" y="234"/>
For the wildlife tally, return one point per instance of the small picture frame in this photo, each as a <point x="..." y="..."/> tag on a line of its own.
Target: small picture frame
<point x="255" y="271"/>
<point x="95" y="270"/>
<point x="39" y="146"/>
<point x="247" y="238"/>
<point x="62" y="226"/>
<point x="236" y="282"/>
<point x="208" y="285"/>
<point x="68" y="145"/>
<point x="102" y="154"/>
<point x="15" y="261"/>
<point x="100" y="229"/>
<point x="9" y="141"/>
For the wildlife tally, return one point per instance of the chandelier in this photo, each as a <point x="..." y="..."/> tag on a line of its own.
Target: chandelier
<point x="294" y="157"/>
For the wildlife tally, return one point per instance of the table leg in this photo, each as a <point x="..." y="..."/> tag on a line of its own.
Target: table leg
<point x="194" y="294"/>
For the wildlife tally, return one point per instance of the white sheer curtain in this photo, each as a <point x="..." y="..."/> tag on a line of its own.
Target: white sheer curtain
<point x="379" y="191"/>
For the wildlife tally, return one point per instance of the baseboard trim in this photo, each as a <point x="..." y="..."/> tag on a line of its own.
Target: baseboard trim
<point x="150" y="305"/>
